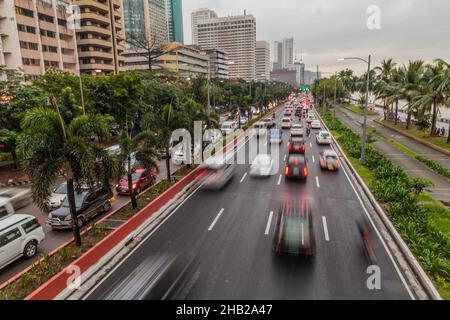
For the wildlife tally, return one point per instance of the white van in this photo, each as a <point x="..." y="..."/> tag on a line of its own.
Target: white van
<point x="20" y="235"/>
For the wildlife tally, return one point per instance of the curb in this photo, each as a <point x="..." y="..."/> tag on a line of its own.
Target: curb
<point x="430" y="145"/>
<point x="420" y="274"/>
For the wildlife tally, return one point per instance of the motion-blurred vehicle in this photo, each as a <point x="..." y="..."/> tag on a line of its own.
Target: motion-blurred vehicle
<point x="262" y="165"/>
<point x="269" y="123"/>
<point x="18" y="197"/>
<point x="296" y="166"/>
<point x="276" y="136"/>
<point x="219" y="170"/>
<point x="297" y="144"/>
<point x="88" y="204"/>
<point x="329" y="160"/>
<point x="260" y="128"/>
<point x="286" y="123"/>
<point x="228" y="127"/>
<point x="310" y="118"/>
<point x="297" y="130"/>
<point x="323" y="137"/>
<point x="294" y="231"/>
<point x="365" y="241"/>
<point x="20" y="236"/>
<point x="315" y="124"/>
<point x="6" y="208"/>
<point x="141" y="179"/>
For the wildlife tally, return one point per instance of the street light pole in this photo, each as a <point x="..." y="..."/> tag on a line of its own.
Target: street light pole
<point x="362" y="160"/>
<point x="334" y="100"/>
<point x="208" y="107"/>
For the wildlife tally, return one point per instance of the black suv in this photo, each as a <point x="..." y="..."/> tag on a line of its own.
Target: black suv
<point x="88" y="203"/>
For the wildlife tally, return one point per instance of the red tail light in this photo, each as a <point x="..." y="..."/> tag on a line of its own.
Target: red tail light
<point x="38" y="222"/>
<point x="303" y="148"/>
<point x="291" y="147"/>
<point x="287" y="170"/>
<point x="305" y="171"/>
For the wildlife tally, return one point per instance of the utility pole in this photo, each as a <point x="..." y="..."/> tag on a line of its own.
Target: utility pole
<point x="208" y="107"/>
<point x="334" y="100"/>
<point x="363" y="147"/>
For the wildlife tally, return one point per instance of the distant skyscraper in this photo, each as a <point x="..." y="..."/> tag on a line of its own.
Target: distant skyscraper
<point x="262" y="60"/>
<point x="277" y="55"/>
<point x="146" y="18"/>
<point x="236" y="35"/>
<point x="288" y="52"/>
<point x="198" y="15"/>
<point x="174" y="13"/>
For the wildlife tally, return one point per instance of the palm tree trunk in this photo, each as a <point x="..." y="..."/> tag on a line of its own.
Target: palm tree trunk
<point x="396" y="111"/>
<point x="408" y="120"/>
<point x="448" y="136"/>
<point x="168" y="164"/>
<point x="73" y="211"/>
<point x="433" y="119"/>
<point x="385" y="110"/>
<point x="130" y="184"/>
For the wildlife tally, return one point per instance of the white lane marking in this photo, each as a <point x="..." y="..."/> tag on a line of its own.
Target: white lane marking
<point x="265" y="143"/>
<point x="269" y="222"/>
<point x="285" y="157"/>
<point x="243" y="177"/>
<point x="310" y="145"/>
<point x="215" y="220"/>
<point x="325" y="228"/>
<point x="378" y="234"/>
<point x="279" y="180"/>
<point x="313" y="159"/>
<point x="317" y="182"/>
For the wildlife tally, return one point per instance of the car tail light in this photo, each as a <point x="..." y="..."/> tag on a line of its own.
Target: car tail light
<point x="305" y="171"/>
<point x="287" y="170"/>
<point x="38" y="222"/>
<point x="303" y="148"/>
<point x="134" y="186"/>
<point x="291" y="147"/>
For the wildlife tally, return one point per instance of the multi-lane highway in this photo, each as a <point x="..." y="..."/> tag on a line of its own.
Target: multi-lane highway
<point x="227" y="235"/>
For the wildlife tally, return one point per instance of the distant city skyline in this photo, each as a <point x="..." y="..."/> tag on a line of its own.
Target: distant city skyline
<point x="326" y="31"/>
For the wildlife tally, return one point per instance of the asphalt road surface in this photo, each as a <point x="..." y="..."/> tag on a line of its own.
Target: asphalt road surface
<point x="227" y="236"/>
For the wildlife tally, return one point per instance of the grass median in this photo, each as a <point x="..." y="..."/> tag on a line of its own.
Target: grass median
<point x="358" y="109"/>
<point x="424" y="224"/>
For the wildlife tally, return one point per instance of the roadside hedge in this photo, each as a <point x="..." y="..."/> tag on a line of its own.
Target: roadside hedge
<point x="398" y="194"/>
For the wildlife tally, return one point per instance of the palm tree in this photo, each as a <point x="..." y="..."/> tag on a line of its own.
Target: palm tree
<point x="411" y="81"/>
<point x="49" y="148"/>
<point x="386" y="69"/>
<point x="432" y="92"/>
<point x="392" y="90"/>
<point x="9" y="139"/>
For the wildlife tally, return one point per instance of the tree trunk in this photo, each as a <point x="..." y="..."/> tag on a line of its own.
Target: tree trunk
<point x="433" y="119"/>
<point x="385" y="110"/>
<point x="408" y="120"/>
<point x="15" y="160"/>
<point x="73" y="211"/>
<point x="396" y="111"/>
<point x="149" y="60"/>
<point x="448" y="136"/>
<point x="168" y="164"/>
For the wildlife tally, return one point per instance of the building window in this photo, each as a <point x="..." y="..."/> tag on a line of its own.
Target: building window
<point x="62" y="22"/>
<point x="46" y="48"/>
<point x="24" y="28"/>
<point x="24" y="12"/>
<point x="45" y="17"/>
<point x="62" y="36"/>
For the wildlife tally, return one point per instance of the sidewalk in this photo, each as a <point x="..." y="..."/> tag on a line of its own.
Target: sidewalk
<point x="441" y="185"/>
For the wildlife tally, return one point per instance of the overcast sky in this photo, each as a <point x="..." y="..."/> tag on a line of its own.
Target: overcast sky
<point x="328" y="29"/>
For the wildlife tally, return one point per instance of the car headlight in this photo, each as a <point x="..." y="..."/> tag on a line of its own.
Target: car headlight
<point x="68" y="217"/>
<point x="50" y="215"/>
<point x="134" y="186"/>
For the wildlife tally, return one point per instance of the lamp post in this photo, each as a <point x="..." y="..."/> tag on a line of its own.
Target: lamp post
<point x="334" y="100"/>
<point x="362" y="160"/>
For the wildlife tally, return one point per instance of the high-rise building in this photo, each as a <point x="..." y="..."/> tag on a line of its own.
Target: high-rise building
<point x="218" y="63"/>
<point x="35" y="35"/>
<point x="288" y="52"/>
<point x="237" y="36"/>
<point x="100" y="38"/>
<point x="174" y="13"/>
<point x="146" y="19"/>
<point x="284" y="75"/>
<point x="277" y="55"/>
<point x="299" y="68"/>
<point x="198" y="15"/>
<point x="262" y="60"/>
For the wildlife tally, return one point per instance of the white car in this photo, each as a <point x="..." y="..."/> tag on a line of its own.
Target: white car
<point x="20" y="235"/>
<point x="228" y="127"/>
<point x="310" y="118"/>
<point x="323" y="137"/>
<point x="262" y="165"/>
<point x="6" y="208"/>
<point x="18" y="197"/>
<point x="286" y="123"/>
<point x="297" y="130"/>
<point x="244" y="121"/>
<point x="58" y="195"/>
<point x="260" y="128"/>
<point x="315" y="124"/>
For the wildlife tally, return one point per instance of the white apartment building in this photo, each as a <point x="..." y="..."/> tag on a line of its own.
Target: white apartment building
<point x="199" y="15"/>
<point x="288" y="52"/>
<point x="262" y="60"/>
<point x="237" y="36"/>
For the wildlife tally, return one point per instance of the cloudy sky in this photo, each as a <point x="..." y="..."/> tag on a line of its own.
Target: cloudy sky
<point x="328" y="29"/>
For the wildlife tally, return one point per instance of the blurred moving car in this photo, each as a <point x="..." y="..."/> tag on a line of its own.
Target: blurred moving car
<point x="276" y="136"/>
<point x="88" y="204"/>
<point x="219" y="170"/>
<point x="297" y="129"/>
<point x="329" y="160"/>
<point x="297" y="144"/>
<point x="269" y="123"/>
<point x="228" y="127"/>
<point x="315" y="124"/>
<point x="6" y="208"/>
<point x="20" y="236"/>
<point x="286" y="123"/>
<point x="262" y="165"/>
<point x="18" y="197"/>
<point x="260" y="128"/>
<point x="323" y="137"/>
<point x="142" y="178"/>
<point x="294" y="231"/>
<point x="296" y="167"/>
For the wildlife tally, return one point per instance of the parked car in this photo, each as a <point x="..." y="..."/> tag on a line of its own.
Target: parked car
<point x="141" y="179"/>
<point x="88" y="203"/>
<point x="20" y="236"/>
<point x="58" y="195"/>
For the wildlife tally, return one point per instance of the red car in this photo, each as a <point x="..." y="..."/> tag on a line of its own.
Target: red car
<point x="142" y="179"/>
<point x="297" y="145"/>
